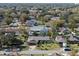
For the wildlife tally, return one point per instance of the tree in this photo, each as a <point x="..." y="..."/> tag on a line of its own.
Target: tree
<point x="73" y="20"/>
<point x="1" y="39"/>
<point x="11" y="40"/>
<point x="24" y="10"/>
<point x="23" y="33"/>
<point x="41" y="18"/>
<point x="23" y="17"/>
<point x="57" y="23"/>
<point x="8" y="20"/>
<point x="72" y="24"/>
<point x="50" y="34"/>
<point x="74" y="48"/>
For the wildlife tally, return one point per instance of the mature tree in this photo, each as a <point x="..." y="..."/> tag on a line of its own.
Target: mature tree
<point x="1" y="39"/>
<point x="10" y="39"/>
<point x="23" y="17"/>
<point x="8" y="20"/>
<point x="50" y="34"/>
<point x="41" y="18"/>
<point x="74" y="17"/>
<point x="73" y="20"/>
<point x="57" y="23"/>
<point x="23" y="33"/>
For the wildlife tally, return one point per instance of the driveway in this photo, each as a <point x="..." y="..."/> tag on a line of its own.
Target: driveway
<point x="32" y="47"/>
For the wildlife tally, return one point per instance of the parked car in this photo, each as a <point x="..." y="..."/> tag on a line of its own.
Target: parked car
<point x="67" y="49"/>
<point x="7" y="51"/>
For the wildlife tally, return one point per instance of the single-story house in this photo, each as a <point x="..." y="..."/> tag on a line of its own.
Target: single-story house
<point x="73" y="39"/>
<point x="38" y="30"/>
<point x="62" y="29"/>
<point x="33" y="12"/>
<point x="14" y="24"/>
<point x="55" y="18"/>
<point x="15" y="20"/>
<point x="36" y="39"/>
<point x="10" y="30"/>
<point x="31" y="17"/>
<point x="47" y="17"/>
<point x="77" y="29"/>
<point x="31" y="22"/>
<point x="60" y="40"/>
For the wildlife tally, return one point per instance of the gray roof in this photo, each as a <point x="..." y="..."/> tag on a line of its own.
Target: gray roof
<point x="60" y="39"/>
<point x="77" y="29"/>
<point x="55" y="18"/>
<point x="73" y="38"/>
<point x="38" y="28"/>
<point x="37" y="38"/>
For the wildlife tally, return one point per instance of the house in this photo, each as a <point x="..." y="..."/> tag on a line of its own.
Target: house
<point x="47" y="17"/>
<point x="10" y="30"/>
<point x="77" y="29"/>
<point x="15" y="19"/>
<point x="73" y="39"/>
<point x="62" y="29"/>
<point x="55" y="18"/>
<point x="36" y="39"/>
<point x="60" y="39"/>
<point x="31" y="22"/>
<point x="13" y="14"/>
<point x="33" y="12"/>
<point x="31" y="17"/>
<point x="15" y="22"/>
<point x="37" y="29"/>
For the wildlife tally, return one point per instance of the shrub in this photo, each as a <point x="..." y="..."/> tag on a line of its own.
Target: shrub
<point x="48" y="46"/>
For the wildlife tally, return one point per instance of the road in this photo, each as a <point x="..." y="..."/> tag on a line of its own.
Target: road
<point x="29" y="52"/>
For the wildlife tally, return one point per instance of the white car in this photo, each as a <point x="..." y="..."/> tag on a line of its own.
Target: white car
<point x="7" y="51"/>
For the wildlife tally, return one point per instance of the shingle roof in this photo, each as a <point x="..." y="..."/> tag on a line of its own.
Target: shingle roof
<point x="36" y="38"/>
<point x="60" y="39"/>
<point x="9" y="29"/>
<point x="73" y="38"/>
<point x="38" y="28"/>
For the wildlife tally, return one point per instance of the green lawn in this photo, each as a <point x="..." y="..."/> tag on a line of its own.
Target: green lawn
<point x="48" y="46"/>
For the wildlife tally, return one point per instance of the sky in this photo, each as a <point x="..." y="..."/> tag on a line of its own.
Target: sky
<point x="39" y="1"/>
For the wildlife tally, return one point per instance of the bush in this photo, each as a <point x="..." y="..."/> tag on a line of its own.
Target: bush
<point x="48" y="46"/>
<point x="74" y="48"/>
